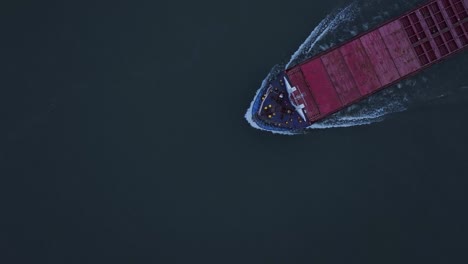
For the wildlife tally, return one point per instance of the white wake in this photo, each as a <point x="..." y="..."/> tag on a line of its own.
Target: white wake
<point x="336" y="28"/>
<point x="327" y="25"/>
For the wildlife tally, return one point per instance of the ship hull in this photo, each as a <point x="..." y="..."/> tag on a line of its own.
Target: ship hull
<point x="372" y="61"/>
<point x="381" y="57"/>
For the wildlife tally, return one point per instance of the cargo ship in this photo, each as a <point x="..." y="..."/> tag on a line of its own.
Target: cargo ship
<point x="337" y="78"/>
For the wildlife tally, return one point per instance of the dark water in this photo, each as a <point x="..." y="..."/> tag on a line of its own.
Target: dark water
<point x="123" y="141"/>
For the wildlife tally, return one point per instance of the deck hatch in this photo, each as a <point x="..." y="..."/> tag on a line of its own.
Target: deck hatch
<point x="341" y="77"/>
<point x="455" y="10"/>
<point x="400" y="48"/>
<point x="380" y="57"/>
<point x="462" y="35"/>
<point x="418" y="31"/>
<point x="360" y="66"/>
<point x="437" y="29"/>
<point x="321" y="87"/>
<point x="303" y="95"/>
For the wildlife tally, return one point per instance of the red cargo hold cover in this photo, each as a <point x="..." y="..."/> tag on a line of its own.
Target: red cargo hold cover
<point x="360" y="66"/>
<point x="380" y="57"/>
<point x="340" y="76"/>
<point x="400" y="48"/>
<point x="368" y="63"/>
<point x="324" y="93"/>
<point x="302" y="95"/>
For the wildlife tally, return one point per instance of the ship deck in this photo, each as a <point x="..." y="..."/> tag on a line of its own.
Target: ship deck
<point x="381" y="57"/>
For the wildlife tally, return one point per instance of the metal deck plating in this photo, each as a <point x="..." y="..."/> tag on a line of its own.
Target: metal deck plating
<point x="368" y="63"/>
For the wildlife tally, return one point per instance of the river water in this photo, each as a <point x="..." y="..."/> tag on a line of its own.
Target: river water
<point x="124" y="141"/>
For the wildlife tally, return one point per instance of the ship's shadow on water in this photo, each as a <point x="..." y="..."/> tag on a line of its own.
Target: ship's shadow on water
<point x="440" y="84"/>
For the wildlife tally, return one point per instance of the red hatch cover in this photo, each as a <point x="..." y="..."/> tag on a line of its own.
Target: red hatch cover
<point x="321" y="87"/>
<point x="380" y="57"/>
<point x="360" y="66"/>
<point x="302" y="94"/>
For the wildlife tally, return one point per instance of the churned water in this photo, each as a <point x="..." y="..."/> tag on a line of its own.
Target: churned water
<point x="345" y="23"/>
<point x="123" y="140"/>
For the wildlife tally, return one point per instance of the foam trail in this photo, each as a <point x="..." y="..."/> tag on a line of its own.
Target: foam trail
<point x="331" y="22"/>
<point x="344" y="24"/>
<point x="362" y="117"/>
<point x="374" y="109"/>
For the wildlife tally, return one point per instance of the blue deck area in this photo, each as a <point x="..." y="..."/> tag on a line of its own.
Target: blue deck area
<point x="272" y="109"/>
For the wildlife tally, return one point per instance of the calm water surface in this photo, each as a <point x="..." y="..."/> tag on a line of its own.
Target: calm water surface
<point x="124" y="141"/>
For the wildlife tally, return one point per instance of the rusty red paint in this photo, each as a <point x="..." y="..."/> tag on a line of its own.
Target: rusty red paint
<point x="321" y="87"/>
<point x="340" y="76"/>
<point x="400" y="48"/>
<point x="302" y="95"/>
<point x="380" y="57"/>
<point x="360" y="66"/>
<point x="427" y="32"/>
